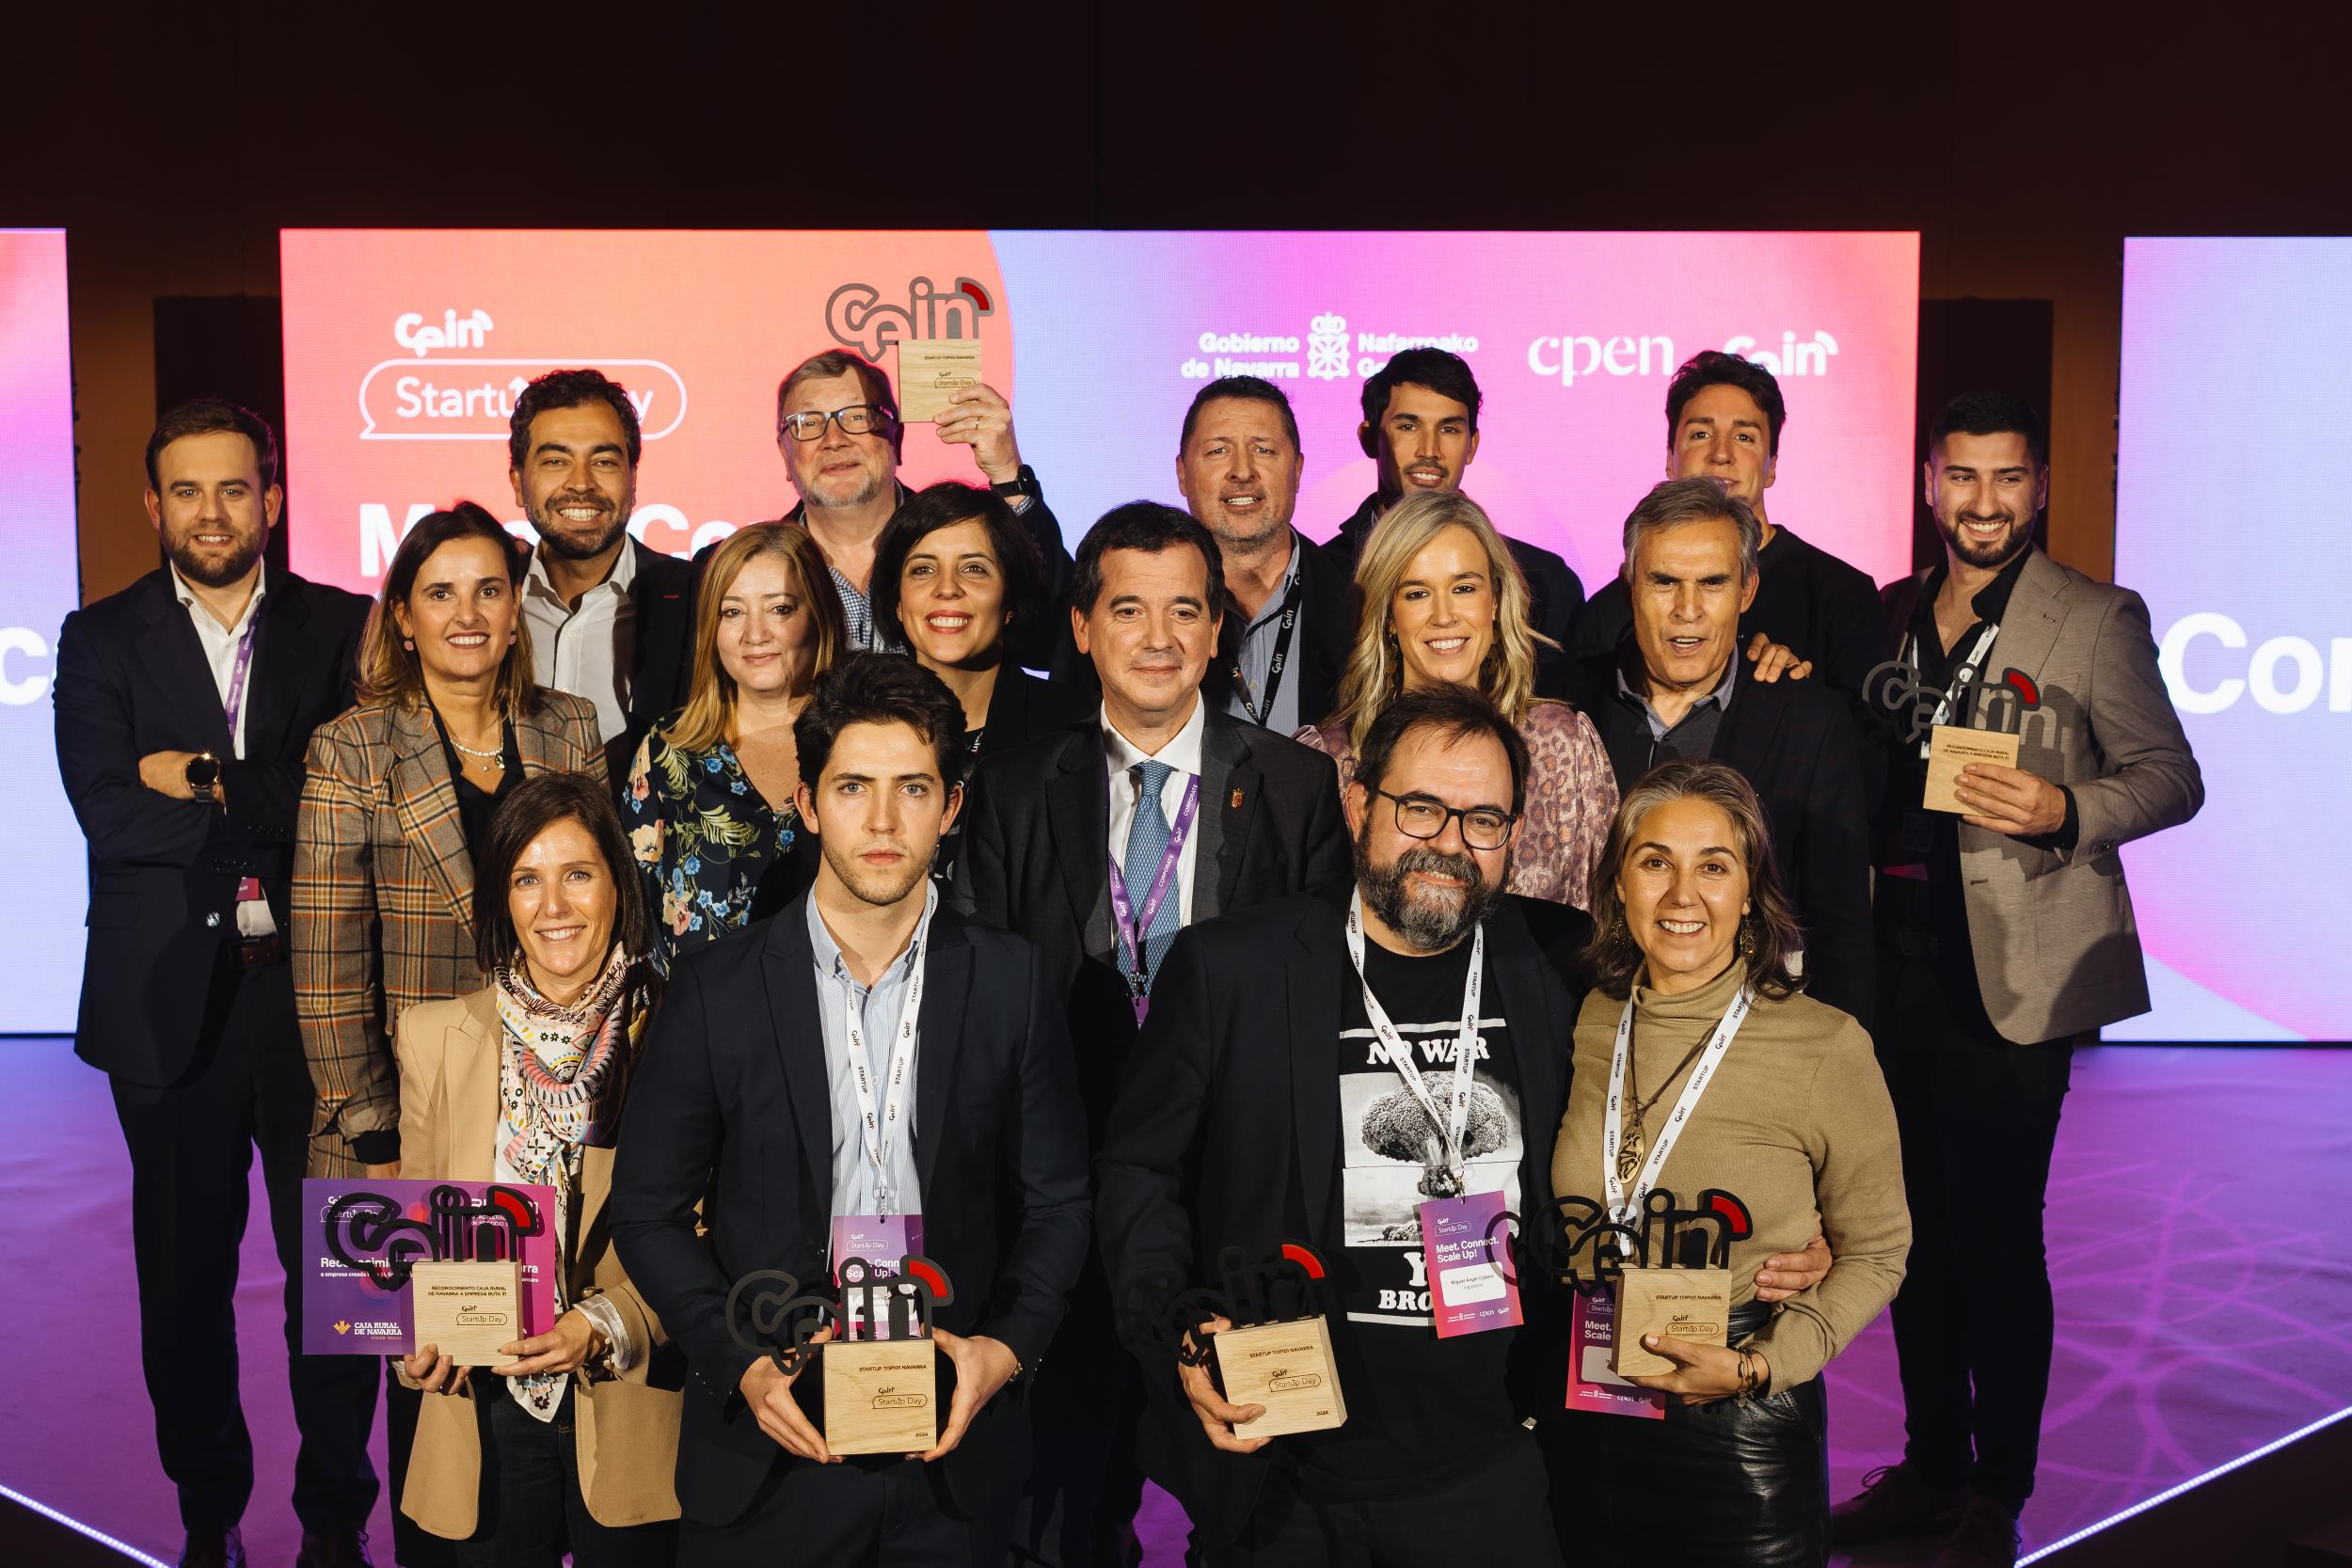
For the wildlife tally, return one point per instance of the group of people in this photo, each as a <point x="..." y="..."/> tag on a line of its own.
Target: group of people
<point x="1311" y="886"/>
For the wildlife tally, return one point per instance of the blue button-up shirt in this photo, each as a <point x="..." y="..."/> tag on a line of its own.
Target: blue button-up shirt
<point x="856" y="1185"/>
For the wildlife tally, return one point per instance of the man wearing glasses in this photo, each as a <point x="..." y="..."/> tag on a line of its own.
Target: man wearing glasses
<point x="838" y="427"/>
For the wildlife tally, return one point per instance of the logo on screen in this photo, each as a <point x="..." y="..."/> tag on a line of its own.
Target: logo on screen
<point x="858" y="319"/>
<point x="455" y="331"/>
<point x="1326" y="348"/>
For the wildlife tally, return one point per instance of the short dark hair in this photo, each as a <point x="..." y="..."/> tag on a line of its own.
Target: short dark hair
<point x="1991" y="413"/>
<point x="880" y="688"/>
<point x="1245" y="389"/>
<point x="568" y="389"/>
<point x="1698" y="498"/>
<point x="943" y="505"/>
<point x="1711" y="367"/>
<point x="1446" y="375"/>
<point x="1460" y="714"/>
<point x="873" y="386"/>
<point x="210" y="417"/>
<point x="533" y="806"/>
<point x="1148" y="527"/>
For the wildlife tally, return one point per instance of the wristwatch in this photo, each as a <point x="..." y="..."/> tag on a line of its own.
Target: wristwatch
<point x="204" y="774"/>
<point x="1021" y="490"/>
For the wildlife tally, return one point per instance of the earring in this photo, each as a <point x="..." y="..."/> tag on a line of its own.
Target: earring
<point x="1747" y="938"/>
<point x="409" y="643"/>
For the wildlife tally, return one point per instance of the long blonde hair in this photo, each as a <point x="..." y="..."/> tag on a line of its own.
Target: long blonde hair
<point x="709" y="711"/>
<point x="1375" y="677"/>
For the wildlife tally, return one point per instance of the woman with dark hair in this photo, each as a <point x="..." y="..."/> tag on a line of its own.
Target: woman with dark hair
<point x="712" y="821"/>
<point x="1701" y="1068"/>
<point x="569" y="1444"/>
<point x="398" y="792"/>
<point x="959" y="578"/>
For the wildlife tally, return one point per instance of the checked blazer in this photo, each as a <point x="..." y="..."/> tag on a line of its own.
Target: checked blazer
<point x="383" y="897"/>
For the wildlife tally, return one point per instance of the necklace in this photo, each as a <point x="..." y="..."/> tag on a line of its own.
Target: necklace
<point x="489" y="759"/>
<point x="1629" y="1156"/>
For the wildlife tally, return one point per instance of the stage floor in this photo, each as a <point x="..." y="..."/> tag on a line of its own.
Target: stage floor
<point x="2201" y="1232"/>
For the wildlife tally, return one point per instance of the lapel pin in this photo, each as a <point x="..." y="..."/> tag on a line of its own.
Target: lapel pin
<point x="1235" y="803"/>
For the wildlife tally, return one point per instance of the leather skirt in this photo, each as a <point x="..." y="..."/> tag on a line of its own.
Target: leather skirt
<point x="1738" y="1483"/>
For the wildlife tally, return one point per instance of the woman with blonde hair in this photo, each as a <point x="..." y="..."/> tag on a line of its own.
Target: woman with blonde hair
<point x="1444" y="604"/>
<point x="710" y="802"/>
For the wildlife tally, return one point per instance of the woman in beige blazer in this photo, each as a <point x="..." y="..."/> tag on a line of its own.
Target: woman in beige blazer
<point x="571" y="1444"/>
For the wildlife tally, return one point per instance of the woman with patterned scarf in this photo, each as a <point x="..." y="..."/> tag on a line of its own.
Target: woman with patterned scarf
<point x="570" y="1444"/>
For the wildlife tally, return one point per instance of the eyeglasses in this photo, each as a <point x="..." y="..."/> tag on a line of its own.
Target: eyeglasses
<point x="858" y="419"/>
<point x="1419" y="816"/>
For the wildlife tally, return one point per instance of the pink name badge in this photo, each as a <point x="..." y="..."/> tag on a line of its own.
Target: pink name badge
<point x="1465" y="1244"/>
<point x="882" y="1240"/>
<point x="1593" y="1332"/>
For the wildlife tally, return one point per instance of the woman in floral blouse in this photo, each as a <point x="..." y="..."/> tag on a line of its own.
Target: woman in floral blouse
<point x="709" y="803"/>
<point x="1444" y="604"/>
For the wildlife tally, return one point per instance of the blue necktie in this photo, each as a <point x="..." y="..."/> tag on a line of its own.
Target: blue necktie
<point x="1147" y="841"/>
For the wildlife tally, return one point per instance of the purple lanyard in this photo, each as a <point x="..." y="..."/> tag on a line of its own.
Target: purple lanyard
<point x="1132" y="925"/>
<point x="233" y="703"/>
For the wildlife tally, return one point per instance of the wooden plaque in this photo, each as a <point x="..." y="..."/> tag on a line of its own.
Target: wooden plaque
<point x="932" y="369"/>
<point x="1686" y="1303"/>
<point x="467" y="1309"/>
<point x="1287" y="1368"/>
<point x="1951" y="748"/>
<point x="881" y="1395"/>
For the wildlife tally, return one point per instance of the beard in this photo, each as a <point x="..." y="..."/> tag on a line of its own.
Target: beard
<point x="1431" y="921"/>
<point x="1986" y="557"/>
<point x="570" y="539"/>
<point x="216" y="571"/>
<point x="868" y="486"/>
<point x="877" y="888"/>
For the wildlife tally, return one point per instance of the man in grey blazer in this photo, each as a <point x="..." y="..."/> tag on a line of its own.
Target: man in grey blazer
<point x="1098" y="845"/>
<point x="2005" y="937"/>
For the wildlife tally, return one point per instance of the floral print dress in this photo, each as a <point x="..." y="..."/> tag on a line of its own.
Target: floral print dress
<point x="714" y="854"/>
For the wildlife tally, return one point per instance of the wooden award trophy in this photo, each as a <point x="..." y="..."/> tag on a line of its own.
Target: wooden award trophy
<point x="1279" y="1353"/>
<point x="466" y="1311"/>
<point x="880" y="1371"/>
<point x="1688" y="1304"/>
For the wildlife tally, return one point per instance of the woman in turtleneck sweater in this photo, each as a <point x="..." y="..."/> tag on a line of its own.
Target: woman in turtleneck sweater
<point x="1793" y="1118"/>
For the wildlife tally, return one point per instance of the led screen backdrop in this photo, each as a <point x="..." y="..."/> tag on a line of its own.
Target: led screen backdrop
<point x="404" y="348"/>
<point x="40" y="924"/>
<point x="2229" y="520"/>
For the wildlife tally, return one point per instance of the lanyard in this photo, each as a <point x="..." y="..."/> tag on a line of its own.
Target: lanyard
<point x="1623" y="1209"/>
<point x="1264" y="714"/>
<point x="1956" y="692"/>
<point x="1400" y="1055"/>
<point x="1131" y="924"/>
<point x="232" y="706"/>
<point x="879" y="1131"/>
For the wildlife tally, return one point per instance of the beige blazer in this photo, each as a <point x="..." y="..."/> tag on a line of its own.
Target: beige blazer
<point x="627" y="1427"/>
<point x="2057" y="948"/>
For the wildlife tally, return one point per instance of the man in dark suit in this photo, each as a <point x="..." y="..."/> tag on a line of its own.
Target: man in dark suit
<point x="1421" y="427"/>
<point x="1075" y="845"/>
<point x="183" y="707"/>
<point x="754" y="1118"/>
<point x="1247" y="1118"/>
<point x="1675" y="687"/>
<point x="611" y="621"/>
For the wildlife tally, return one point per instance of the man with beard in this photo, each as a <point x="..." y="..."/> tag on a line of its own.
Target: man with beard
<point x="1420" y="428"/>
<point x="611" y="621"/>
<point x="2005" y="937"/>
<point x="183" y="707"/>
<point x="838" y="429"/>
<point x="863" y="1055"/>
<point x="1264" y="1101"/>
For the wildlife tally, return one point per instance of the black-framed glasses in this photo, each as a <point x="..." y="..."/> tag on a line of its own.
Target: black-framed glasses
<point x="1419" y="816"/>
<point x="858" y="419"/>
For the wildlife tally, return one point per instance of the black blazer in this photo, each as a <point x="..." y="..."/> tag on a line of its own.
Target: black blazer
<point x="1036" y="848"/>
<point x="1226" y="1127"/>
<point x="661" y="653"/>
<point x="1796" y="744"/>
<point x="730" y="1112"/>
<point x="1554" y="593"/>
<point x="132" y="679"/>
<point x="1020" y="709"/>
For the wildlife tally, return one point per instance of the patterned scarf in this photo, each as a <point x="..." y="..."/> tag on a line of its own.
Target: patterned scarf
<point x="555" y="1068"/>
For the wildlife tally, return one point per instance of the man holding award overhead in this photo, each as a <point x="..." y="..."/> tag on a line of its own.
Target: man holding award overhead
<point x="861" y="1077"/>
<point x="2032" y="738"/>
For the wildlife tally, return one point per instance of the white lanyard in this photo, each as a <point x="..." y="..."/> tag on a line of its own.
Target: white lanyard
<point x="1626" y="1210"/>
<point x="1958" y="690"/>
<point x="878" y="1132"/>
<point x="1400" y="1055"/>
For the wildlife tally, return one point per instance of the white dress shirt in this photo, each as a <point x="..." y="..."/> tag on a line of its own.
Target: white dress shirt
<point x="221" y="652"/>
<point x="585" y="651"/>
<point x="1182" y="755"/>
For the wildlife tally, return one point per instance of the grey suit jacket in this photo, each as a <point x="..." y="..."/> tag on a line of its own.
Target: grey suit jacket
<point x="2057" y="948"/>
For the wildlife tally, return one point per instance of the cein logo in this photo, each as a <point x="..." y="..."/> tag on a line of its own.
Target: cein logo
<point x="410" y="332"/>
<point x="1793" y="359"/>
<point x="857" y="318"/>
